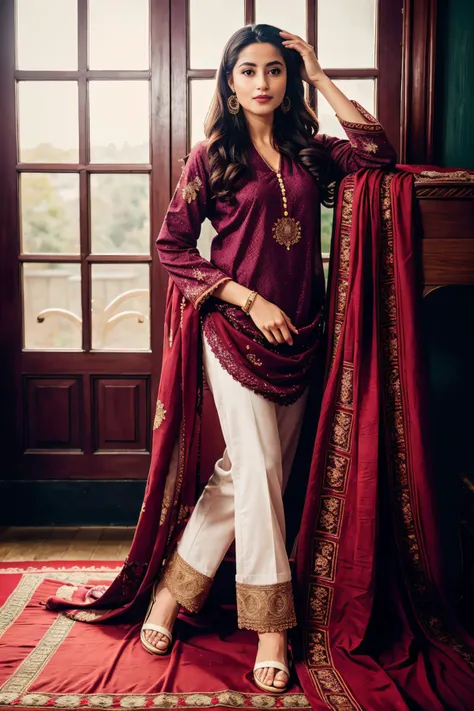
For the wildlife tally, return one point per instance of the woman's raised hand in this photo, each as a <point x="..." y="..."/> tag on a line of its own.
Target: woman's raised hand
<point x="311" y="70"/>
<point x="275" y="325"/>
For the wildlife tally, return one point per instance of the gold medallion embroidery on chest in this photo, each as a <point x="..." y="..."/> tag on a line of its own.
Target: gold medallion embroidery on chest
<point x="190" y="190"/>
<point x="286" y="230"/>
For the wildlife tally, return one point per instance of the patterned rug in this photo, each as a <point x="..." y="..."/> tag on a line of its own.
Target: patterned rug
<point x="48" y="661"/>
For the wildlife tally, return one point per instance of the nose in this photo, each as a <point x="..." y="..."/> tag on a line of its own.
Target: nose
<point x="262" y="82"/>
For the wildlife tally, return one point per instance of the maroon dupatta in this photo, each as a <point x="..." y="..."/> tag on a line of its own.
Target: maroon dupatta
<point x="171" y="487"/>
<point x="375" y="631"/>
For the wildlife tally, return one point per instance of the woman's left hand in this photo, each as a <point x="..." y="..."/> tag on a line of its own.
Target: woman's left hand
<point x="311" y="71"/>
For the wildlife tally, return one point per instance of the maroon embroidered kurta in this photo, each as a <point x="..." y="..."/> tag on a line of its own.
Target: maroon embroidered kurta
<point x="268" y="239"/>
<point x="245" y="248"/>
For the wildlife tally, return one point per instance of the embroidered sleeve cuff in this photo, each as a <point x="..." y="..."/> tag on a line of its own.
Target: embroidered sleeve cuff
<point x="373" y="126"/>
<point x="209" y="291"/>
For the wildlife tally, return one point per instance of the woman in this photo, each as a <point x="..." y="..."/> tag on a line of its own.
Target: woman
<point x="260" y="177"/>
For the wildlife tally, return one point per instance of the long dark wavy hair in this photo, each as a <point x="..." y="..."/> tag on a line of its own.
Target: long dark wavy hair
<point x="228" y="136"/>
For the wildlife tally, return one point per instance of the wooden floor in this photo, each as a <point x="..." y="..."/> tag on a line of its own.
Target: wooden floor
<point x="18" y="543"/>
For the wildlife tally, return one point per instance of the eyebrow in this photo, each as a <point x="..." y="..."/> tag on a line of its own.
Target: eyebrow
<point x="268" y="64"/>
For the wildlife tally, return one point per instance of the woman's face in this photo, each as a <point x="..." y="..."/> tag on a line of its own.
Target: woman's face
<point x="259" y="69"/>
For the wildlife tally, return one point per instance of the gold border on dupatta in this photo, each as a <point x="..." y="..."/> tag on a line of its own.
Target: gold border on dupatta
<point x="396" y="425"/>
<point x="330" y="684"/>
<point x="342" y="276"/>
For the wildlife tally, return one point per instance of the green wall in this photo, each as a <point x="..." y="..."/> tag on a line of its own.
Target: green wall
<point x="454" y="95"/>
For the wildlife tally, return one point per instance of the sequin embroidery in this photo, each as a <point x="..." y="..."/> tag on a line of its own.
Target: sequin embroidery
<point x="190" y="191"/>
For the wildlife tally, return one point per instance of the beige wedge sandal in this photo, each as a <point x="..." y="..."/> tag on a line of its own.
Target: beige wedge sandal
<point x="156" y="628"/>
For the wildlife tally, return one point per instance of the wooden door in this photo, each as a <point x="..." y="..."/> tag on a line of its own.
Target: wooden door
<point x="85" y="89"/>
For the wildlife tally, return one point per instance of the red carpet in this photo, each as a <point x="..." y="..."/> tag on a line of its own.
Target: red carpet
<point x="49" y="661"/>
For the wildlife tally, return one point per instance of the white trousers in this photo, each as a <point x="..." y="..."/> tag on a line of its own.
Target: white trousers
<point x="243" y="500"/>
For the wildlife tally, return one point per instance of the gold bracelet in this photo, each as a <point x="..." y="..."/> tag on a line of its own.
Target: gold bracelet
<point x="249" y="303"/>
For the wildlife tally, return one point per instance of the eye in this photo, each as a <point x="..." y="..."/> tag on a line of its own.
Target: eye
<point x="246" y="70"/>
<point x="276" y="69"/>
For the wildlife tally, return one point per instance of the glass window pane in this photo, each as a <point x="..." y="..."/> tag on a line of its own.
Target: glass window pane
<point x="290" y="17"/>
<point x="47" y="34"/>
<point x="211" y="24"/>
<point x="48" y="121"/>
<point x="362" y="90"/>
<point x="121" y="307"/>
<point x="119" y="122"/>
<point x="52" y="306"/>
<point x="118" y="34"/>
<point x="202" y="91"/>
<point x="49" y="213"/>
<point x="346" y="33"/>
<point x="327" y="214"/>
<point x="120" y="214"/>
<point x="326" y="273"/>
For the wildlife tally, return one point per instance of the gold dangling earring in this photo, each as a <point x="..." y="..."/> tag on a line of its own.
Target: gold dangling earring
<point x="233" y="104"/>
<point x="286" y="107"/>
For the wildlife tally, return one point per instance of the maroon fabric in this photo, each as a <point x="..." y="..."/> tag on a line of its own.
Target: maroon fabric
<point x="375" y="629"/>
<point x="166" y="505"/>
<point x="244" y="248"/>
<point x="47" y="662"/>
<point x="279" y="373"/>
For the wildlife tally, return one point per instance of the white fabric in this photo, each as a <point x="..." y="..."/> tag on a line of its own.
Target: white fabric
<point x="261" y="439"/>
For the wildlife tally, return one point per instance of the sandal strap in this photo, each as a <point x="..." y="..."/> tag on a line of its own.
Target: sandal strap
<point x="276" y="665"/>
<point x="157" y="628"/>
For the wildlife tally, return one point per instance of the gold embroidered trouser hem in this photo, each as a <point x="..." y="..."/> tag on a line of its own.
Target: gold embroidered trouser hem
<point x="187" y="585"/>
<point x="265" y="608"/>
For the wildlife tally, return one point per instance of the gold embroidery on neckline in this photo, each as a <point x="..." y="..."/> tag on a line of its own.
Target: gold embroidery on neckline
<point x="286" y="230"/>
